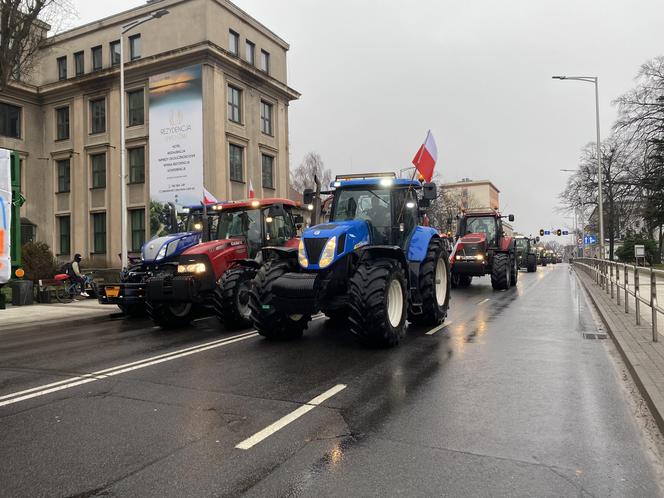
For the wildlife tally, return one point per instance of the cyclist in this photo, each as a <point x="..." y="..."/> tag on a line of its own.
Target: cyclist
<point x="74" y="272"/>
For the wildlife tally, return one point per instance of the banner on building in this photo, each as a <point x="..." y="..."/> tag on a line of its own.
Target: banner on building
<point x="176" y="142"/>
<point x="5" y="215"/>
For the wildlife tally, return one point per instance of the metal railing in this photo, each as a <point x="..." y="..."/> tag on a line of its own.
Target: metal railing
<point x="614" y="279"/>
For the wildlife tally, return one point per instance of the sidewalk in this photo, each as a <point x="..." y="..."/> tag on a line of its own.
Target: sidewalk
<point x="644" y="358"/>
<point x="19" y="317"/>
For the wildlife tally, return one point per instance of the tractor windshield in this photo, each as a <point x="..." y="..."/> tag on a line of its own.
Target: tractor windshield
<point x="241" y="223"/>
<point x="482" y="224"/>
<point x="522" y="244"/>
<point x="371" y="205"/>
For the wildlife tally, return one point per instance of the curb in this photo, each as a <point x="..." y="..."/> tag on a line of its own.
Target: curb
<point x="634" y="368"/>
<point x="64" y="321"/>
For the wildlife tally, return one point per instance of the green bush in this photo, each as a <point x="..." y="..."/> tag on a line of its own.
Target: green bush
<point x="625" y="253"/>
<point x="38" y="261"/>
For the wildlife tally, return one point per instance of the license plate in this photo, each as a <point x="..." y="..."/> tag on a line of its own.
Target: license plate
<point x="112" y="291"/>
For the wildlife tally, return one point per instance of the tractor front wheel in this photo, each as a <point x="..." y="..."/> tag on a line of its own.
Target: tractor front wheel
<point x="434" y="287"/>
<point x="532" y="263"/>
<point x="378" y="302"/>
<point x="501" y="271"/>
<point x="514" y="275"/>
<point x="169" y="316"/>
<point x="460" y="281"/>
<point x="231" y="298"/>
<point x="270" y="322"/>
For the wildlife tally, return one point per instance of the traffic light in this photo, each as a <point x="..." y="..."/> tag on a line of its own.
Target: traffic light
<point x="541" y="232"/>
<point x="559" y="232"/>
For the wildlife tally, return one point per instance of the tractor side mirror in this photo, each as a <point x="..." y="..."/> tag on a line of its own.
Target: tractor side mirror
<point x="308" y="196"/>
<point x="276" y="210"/>
<point x="511" y="217"/>
<point x="429" y="191"/>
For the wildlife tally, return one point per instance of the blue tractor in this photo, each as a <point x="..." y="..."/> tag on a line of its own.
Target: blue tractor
<point x="373" y="264"/>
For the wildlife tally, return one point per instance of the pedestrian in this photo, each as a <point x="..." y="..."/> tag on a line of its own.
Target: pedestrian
<point x="74" y="272"/>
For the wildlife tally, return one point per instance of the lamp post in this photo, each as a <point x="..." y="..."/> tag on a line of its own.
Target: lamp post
<point x="594" y="81"/>
<point x="123" y="150"/>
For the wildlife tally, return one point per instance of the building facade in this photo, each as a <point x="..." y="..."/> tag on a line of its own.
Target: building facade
<point x="474" y="194"/>
<point x="64" y="120"/>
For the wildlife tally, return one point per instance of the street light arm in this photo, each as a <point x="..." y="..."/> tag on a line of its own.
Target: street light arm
<point x="587" y="79"/>
<point x="138" y="22"/>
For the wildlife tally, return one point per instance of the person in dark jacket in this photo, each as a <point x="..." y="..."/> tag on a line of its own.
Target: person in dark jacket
<point x="76" y="275"/>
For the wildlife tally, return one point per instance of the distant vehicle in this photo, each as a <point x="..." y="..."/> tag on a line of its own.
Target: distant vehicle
<point x="526" y="254"/>
<point x="483" y="247"/>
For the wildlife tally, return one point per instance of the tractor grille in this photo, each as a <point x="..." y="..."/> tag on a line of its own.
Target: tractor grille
<point x="314" y="248"/>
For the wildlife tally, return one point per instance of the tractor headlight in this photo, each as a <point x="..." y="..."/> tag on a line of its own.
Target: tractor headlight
<point x="192" y="268"/>
<point x="302" y="255"/>
<point x="328" y="253"/>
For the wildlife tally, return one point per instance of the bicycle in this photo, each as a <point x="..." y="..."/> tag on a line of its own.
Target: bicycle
<point x="68" y="288"/>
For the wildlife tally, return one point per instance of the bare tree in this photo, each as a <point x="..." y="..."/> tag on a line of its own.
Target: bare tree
<point x="24" y="25"/>
<point x="312" y="165"/>
<point x="444" y="211"/>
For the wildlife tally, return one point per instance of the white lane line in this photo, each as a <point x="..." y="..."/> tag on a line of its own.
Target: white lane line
<point x="292" y="416"/>
<point x="35" y="392"/>
<point x="483" y="301"/>
<point x="439" y="328"/>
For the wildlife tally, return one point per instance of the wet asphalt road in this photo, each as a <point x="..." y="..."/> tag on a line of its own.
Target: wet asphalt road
<point x="509" y="399"/>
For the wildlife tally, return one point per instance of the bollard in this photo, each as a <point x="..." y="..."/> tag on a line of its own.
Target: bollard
<point x="625" y="283"/>
<point x="653" y="304"/>
<point x="637" y="303"/>
<point x="617" y="285"/>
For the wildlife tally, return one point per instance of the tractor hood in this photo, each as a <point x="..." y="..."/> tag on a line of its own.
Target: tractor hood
<point x="349" y="236"/>
<point x="167" y="247"/>
<point x="468" y="247"/>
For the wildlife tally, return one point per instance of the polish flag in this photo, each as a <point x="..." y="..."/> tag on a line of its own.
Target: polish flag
<point x="251" y="190"/>
<point x="208" y="198"/>
<point x="426" y="157"/>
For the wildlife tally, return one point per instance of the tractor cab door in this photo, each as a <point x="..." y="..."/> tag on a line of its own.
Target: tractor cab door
<point x="278" y="226"/>
<point x="405" y="214"/>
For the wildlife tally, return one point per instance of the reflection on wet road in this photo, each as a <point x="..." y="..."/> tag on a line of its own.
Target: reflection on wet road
<point x="508" y="399"/>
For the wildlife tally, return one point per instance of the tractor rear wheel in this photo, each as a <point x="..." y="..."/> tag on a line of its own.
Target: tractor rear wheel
<point x="378" y="302"/>
<point x="170" y="316"/>
<point x="231" y="298"/>
<point x="514" y="272"/>
<point x="434" y="286"/>
<point x="501" y="271"/>
<point x="270" y="322"/>
<point x="532" y="263"/>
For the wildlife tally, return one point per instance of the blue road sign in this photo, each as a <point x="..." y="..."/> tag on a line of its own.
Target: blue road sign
<point x="565" y="232"/>
<point x="590" y="239"/>
<point x="547" y="232"/>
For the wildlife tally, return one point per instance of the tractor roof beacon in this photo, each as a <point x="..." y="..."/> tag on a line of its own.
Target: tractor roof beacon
<point x="373" y="263"/>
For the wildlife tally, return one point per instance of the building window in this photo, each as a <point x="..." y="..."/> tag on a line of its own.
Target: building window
<point x="99" y="233"/>
<point x="64" y="229"/>
<point x="236" y="156"/>
<point x="64" y="178"/>
<point x="62" y="68"/>
<point x="98" y="116"/>
<point x="98" y="163"/>
<point x="267" y="167"/>
<point x="135" y="47"/>
<point x="266" y="118"/>
<point x="234" y="104"/>
<point x="136" y="102"/>
<point x="265" y="61"/>
<point x="10" y="121"/>
<point x="251" y="52"/>
<point x="137" y="217"/>
<point x="62" y="123"/>
<point x="79" y="63"/>
<point x="115" y="53"/>
<point x="96" y="58"/>
<point x="233" y="42"/>
<point x="137" y="165"/>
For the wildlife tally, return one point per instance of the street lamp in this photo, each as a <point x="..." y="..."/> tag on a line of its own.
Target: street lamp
<point x="594" y="81"/>
<point x="123" y="150"/>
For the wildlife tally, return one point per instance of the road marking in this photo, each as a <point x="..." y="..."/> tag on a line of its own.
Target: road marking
<point x="35" y="392"/>
<point x="483" y="301"/>
<point x="291" y="417"/>
<point x="439" y="328"/>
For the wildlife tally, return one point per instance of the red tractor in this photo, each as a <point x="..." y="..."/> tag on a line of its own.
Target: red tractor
<point x="484" y="246"/>
<point x="217" y="271"/>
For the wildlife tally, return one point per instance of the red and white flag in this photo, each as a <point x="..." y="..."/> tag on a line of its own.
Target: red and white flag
<point x="208" y="198"/>
<point x="251" y="190"/>
<point x="426" y="157"/>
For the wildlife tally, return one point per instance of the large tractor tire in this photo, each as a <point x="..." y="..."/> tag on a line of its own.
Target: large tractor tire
<point x="378" y="302"/>
<point x="532" y="263"/>
<point x="434" y="286"/>
<point x="460" y="281"/>
<point x="270" y="322"/>
<point x="231" y="298"/>
<point x="501" y="271"/>
<point x="514" y="275"/>
<point x="132" y="310"/>
<point x="170" y="316"/>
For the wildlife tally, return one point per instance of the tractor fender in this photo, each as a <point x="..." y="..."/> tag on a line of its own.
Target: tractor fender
<point x="394" y="252"/>
<point x="246" y="263"/>
<point x="283" y="253"/>
<point x="418" y="245"/>
<point x="507" y="244"/>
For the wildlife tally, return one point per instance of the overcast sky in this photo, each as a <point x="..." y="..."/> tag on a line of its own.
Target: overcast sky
<point x="376" y="74"/>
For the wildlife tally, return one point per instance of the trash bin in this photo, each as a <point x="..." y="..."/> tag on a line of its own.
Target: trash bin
<point x="21" y="292"/>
